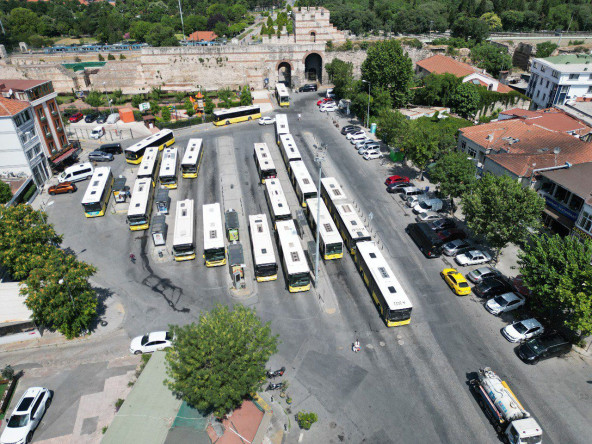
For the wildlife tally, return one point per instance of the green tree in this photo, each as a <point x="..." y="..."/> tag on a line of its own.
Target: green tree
<point x="341" y="74"/>
<point x="269" y="22"/>
<point x="94" y="98"/>
<point x="208" y="106"/>
<point x="161" y="36"/>
<point x="137" y="99"/>
<point x="465" y="100"/>
<point x="59" y="295"/>
<point x="391" y="127"/>
<point x="421" y="144"/>
<point x="470" y="28"/>
<point x="139" y="30"/>
<point x="23" y="22"/>
<point x="165" y="113"/>
<point x="290" y="28"/>
<point x="502" y="210"/>
<point x="101" y="58"/>
<point x="454" y="173"/>
<point x="26" y="240"/>
<point x="545" y="49"/>
<point x="5" y="193"/>
<point x="558" y="273"/>
<point x="493" y="21"/>
<point x="189" y="108"/>
<point x="437" y="90"/>
<point x="491" y="57"/>
<point x="246" y="98"/>
<point x="215" y="363"/>
<point x="388" y="67"/>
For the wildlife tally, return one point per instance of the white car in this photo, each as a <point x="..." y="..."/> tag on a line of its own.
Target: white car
<point x="151" y="342"/>
<point x="362" y="143"/>
<point x="357" y="138"/>
<point x="504" y="303"/>
<point x="372" y="154"/>
<point x="428" y="216"/>
<point x="362" y="133"/>
<point x="523" y="330"/>
<point x="473" y="257"/>
<point x="328" y="108"/>
<point x="266" y="121"/>
<point x="26" y="416"/>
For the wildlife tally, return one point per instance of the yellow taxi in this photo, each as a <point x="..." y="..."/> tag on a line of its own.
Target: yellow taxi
<point x="456" y="281"/>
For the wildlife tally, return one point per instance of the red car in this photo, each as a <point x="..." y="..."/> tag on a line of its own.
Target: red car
<point x="76" y="117"/>
<point x="396" y="179"/>
<point x="324" y="100"/>
<point x="451" y="234"/>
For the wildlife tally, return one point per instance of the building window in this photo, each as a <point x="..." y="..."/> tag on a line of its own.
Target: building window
<point x="575" y="203"/>
<point x="561" y="194"/>
<point x="574" y="76"/>
<point x="51" y="106"/>
<point x="463" y="145"/>
<point x="590" y="90"/>
<point x="538" y="92"/>
<point x="40" y="112"/>
<point x="541" y="81"/>
<point x="547" y="83"/>
<point x="585" y="221"/>
<point x="472" y="152"/>
<point x="63" y="140"/>
<point x="556" y="74"/>
<point x="534" y="65"/>
<point x="544" y="96"/>
<point x="52" y="146"/>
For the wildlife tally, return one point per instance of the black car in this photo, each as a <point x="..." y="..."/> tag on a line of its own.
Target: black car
<point x="91" y="117"/>
<point x="102" y="118"/>
<point x="442" y="224"/>
<point x="112" y="148"/>
<point x="308" y="87"/>
<point x="398" y="187"/>
<point x="100" y="156"/>
<point x="350" y="129"/>
<point x="491" y="287"/>
<point x="543" y="347"/>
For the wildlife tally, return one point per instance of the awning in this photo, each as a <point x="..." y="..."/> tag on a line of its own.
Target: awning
<point x="559" y="218"/>
<point x="64" y="156"/>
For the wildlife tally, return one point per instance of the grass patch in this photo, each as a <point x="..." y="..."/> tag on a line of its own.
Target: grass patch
<point x="72" y="41"/>
<point x="65" y="99"/>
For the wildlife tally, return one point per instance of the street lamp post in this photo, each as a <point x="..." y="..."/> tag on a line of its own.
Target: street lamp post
<point x="368" y="112"/>
<point x="108" y="99"/>
<point x="321" y="151"/>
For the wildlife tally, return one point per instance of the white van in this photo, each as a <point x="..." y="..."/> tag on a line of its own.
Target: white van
<point x="411" y="191"/>
<point x="75" y="173"/>
<point x="97" y="132"/>
<point x="113" y="118"/>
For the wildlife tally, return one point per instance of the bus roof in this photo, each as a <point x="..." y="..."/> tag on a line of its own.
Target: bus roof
<point x="385" y="279"/>
<point x="148" y="163"/>
<point x="327" y="227"/>
<point x="288" y="146"/>
<point x="194" y="147"/>
<point x="97" y="184"/>
<point x="212" y="222"/>
<point x="168" y="167"/>
<point x="223" y="112"/>
<point x="184" y="223"/>
<point x="291" y="247"/>
<point x="261" y="240"/>
<point x="303" y="178"/>
<point x="142" y="143"/>
<point x="264" y="157"/>
<point x="139" y="201"/>
<point x="281" y="89"/>
<point x="281" y="124"/>
<point x="333" y="190"/>
<point x="279" y="203"/>
<point x="354" y="225"/>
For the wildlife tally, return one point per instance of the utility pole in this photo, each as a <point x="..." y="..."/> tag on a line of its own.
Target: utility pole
<point x="182" y="24"/>
<point x="368" y="112"/>
<point x="321" y="151"/>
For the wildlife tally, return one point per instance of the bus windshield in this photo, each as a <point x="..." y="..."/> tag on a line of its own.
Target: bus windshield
<point x="299" y="279"/>
<point x="137" y="220"/>
<point x="187" y="248"/>
<point x="333" y="248"/>
<point x="168" y="179"/>
<point x="266" y="269"/>
<point x="215" y="254"/>
<point x="399" y="315"/>
<point x="93" y="207"/>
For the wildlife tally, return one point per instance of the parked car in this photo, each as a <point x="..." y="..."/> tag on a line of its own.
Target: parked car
<point x="329" y="107"/>
<point x="362" y="143"/>
<point x="75" y="173"/>
<point x="523" y="330"/>
<point x="396" y="179"/>
<point x="102" y="117"/>
<point x="349" y="136"/>
<point x="398" y="187"/>
<point x="478" y="275"/>
<point x="77" y="117"/>
<point x="350" y="129"/>
<point x="492" y="286"/>
<point x="433" y="204"/>
<point x="308" y="87"/>
<point x="330" y="93"/>
<point x="113" y="148"/>
<point x="455" y="247"/>
<point x="91" y="117"/>
<point x="325" y="100"/>
<point x="26" y="416"/>
<point x="113" y="118"/>
<point x="442" y="224"/>
<point x="266" y="120"/>
<point x="472" y="257"/>
<point x="372" y="154"/>
<point x="61" y="188"/>
<point x="456" y="281"/>
<point x="97" y="132"/>
<point x="151" y="342"/>
<point x="408" y="191"/>
<point x="518" y="284"/>
<point x="428" y="216"/>
<point x="503" y="303"/>
<point x="543" y="347"/>
<point x="451" y="234"/>
<point x="426" y="239"/>
<point x="100" y="156"/>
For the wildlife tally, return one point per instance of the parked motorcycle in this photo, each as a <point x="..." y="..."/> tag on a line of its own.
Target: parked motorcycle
<point x="276" y="373"/>
<point x="274" y="386"/>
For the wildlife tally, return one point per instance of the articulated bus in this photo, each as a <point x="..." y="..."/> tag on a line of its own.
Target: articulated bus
<point x="134" y="153"/>
<point x="168" y="168"/>
<point x="214" y="250"/>
<point x="140" y="207"/>
<point x="289" y="150"/>
<point x="237" y="114"/>
<point x="332" y="193"/>
<point x="183" y="240"/>
<point x="149" y="166"/>
<point x="192" y="158"/>
<point x="276" y="200"/>
<point x="386" y="291"/>
<point x="263" y="256"/>
<point x="350" y="226"/>
<point x="281" y="94"/>
<point x="296" y="269"/>
<point x="281" y="126"/>
<point x="330" y="245"/>
<point x="97" y="194"/>
<point x="264" y="162"/>
<point x="303" y="183"/>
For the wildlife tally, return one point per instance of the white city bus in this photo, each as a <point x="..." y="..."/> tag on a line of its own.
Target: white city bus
<point x="184" y="240"/>
<point x="386" y="291"/>
<point x="265" y="166"/>
<point x="237" y="114"/>
<point x="168" y="168"/>
<point x="192" y="158"/>
<point x="97" y="194"/>
<point x="281" y="126"/>
<point x="332" y="193"/>
<point x="140" y="207"/>
<point x="276" y="200"/>
<point x="296" y="269"/>
<point x="302" y="181"/>
<point x="149" y="166"/>
<point x="135" y="153"/>
<point x="282" y="96"/>
<point x="214" y="250"/>
<point x="263" y="256"/>
<point x="289" y="150"/>
<point x="330" y="245"/>
<point x="350" y="226"/>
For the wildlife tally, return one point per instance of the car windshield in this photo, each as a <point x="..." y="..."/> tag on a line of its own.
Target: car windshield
<point x="18" y="421"/>
<point x="520" y="328"/>
<point x="463" y="285"/>
<point x="501" y="301"/>
<point x="168" y="336"/>
<point x="144" y="340"/>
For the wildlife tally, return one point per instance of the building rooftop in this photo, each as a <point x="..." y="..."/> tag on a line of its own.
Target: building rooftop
<point x="202" y="36"/>
<point x="553" y="119"/>
<point x="441" y="64"/>
<point x="577" y="179"/>
<point x="569" y="59"/>
<point x="10" y="107"/>
<point x="18" y="84"/>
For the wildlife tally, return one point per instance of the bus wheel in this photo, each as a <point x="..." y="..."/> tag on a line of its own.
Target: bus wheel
<point x="250" y="118"/>
<point x="228" y="122"/>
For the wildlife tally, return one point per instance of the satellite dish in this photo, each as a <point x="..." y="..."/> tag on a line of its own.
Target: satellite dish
<point x="556" y="150"/>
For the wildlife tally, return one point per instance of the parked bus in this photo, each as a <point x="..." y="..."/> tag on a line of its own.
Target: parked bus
<point x="303" y="183"/>
<point x="332" y="193"/>
<point x="192" y="158"/>
<point x="330" y="243"/>
<point x="149" y="166"/>
<point x="350" y="226"/>
<point x="296" y="271"/>
<point x="134" y="153"/>
<point x="168" y="168"/>
<point x="214" y="250"/>
<point x="237" y="114"/>
<point x="281" y="126"/>
<point x="386" y="291"/>
<point x="140" y="207"/>
<point x="289" y="150"/>
<point x="276" y="200"/>
<point x="265" y="166"/>
<point x="282" y="96"/>
<point x="97" y="194"/>
<point x="263" y="256"/>
<point x="184" y="240"/>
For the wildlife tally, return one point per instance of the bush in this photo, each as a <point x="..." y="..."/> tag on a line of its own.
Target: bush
<point x="306" y="420"/>
<point x="184" y="123"/>
<point x="110" y="57"/>
<point x="8" y="372"/>
<point x="137" y="116"/>
<point x="121" y="57"/>
<point x="576" y="42"/>
<point x="5" y="193"/>
<point x="30" y="192"/>
<point x="101" y="58"/>
<point x="414" y="43"/>
<point x="118" y="404"/>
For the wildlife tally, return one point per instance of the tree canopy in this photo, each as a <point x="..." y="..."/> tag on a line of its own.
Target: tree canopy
<point x="454" y="173"/>
<point x="5" y="193"/>
<point x="492" y="58"/>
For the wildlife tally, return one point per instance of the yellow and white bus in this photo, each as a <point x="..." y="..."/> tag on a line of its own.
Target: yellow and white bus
<point x="192" y="158"/>
<point x="140" y="207"/>
<point x="386" y="291"/>
<point x="302" y="181"/>
<point x="184" y="239"/>
<point x="282" y="96"/>
<point x="168" y="168"/>
<point x="214" y="249"/>
<point x="296" y="269"/>
<point x="281" y="126"/>
<point x="332" y="193"/>
<point x="134" y="153"/>
<point x="149" y="166"/>
<point x="263" y="255"/>
<point x="264" y="162"/>
<point x="350" y="226"/>
<point x="97" y="194"/>
<point x="330" y="245"/>
<point x="237" y="114"/>
<point x="289" y="150"/>
<point x="276" y="201"/>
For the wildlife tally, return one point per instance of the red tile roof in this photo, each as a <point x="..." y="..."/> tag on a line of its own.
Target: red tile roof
<point x="19" y="84"/>
<point x="519" y="112"/>
<point x="441" y="64"/>
<point x="551" y="118"/>
<point x="504" y="89"/>
<point x="523" y="164"/>
<point x="202" y="36"/>
<point x="10" y="107"/>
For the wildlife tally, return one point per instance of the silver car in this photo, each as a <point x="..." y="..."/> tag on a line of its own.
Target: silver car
<point x="476" y="276"/>
<point x="455" y="247"/>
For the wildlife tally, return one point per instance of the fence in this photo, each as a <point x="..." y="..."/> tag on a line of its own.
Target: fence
<point x="184" y="123"/>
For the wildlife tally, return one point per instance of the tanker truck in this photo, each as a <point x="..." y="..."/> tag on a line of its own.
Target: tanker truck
<point x="511" y="420"/>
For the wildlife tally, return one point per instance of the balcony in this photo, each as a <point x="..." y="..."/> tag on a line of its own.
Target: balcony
<point x="48" y="134"/>
<point x="42" y="118"/>
<point x="60" y="129"/>
<point x="54" y="113"/>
